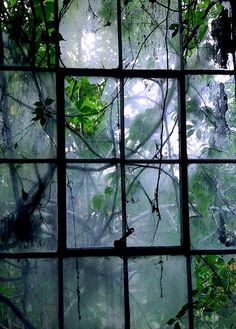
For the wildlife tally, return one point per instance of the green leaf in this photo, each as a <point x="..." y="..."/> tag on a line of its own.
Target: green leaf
<point x="190" y="132"/>
<point x="48" y="101"/>
<point x="173" y="26"/>
<point x="98" y="201"/>
<point x="174" y="33"/>
<point x="182" y="311"/>
<point x="171" y="321"/>
<point x="108" y="190"/>
<point x="43" y="121"/>
<point x="13" y="2"/>
<point x="38" y="104"/>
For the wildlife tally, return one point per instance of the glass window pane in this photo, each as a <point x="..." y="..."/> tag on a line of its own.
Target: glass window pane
<point x="89" y="31"/>
<point x="157" y="292"/>
<point x="151" y="119"/>
<point x="28" y="33"/>
<point x="28" y="115"/>
<point x="148" y="32"/>
<point x="28" y="206"/>
<point x="212" y="189"/>
<point x="214" y="291"/>
<point x="28" y="299"/>
<point x="93" y="205"/>
<point x="93" y="295"/>
<point x="152" y="202"/>
<point x="211" y="122"/>
<point x="207" y="36"/>
<point x="92" y="117"/>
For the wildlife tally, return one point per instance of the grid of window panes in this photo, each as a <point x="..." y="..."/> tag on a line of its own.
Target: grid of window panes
<point x="117" y="164"/>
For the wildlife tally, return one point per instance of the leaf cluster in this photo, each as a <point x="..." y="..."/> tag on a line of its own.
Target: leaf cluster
<point x="215" y="287"/>
<point x="195" y="23"/>
<point x="86" y="108"/>
<point x="42" y="111"/>
<point x="30" y="31"/>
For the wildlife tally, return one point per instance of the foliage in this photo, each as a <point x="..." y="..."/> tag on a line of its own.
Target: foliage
<point x="116" y="198"/>
<point x="213" y="294"/>
<point x="195" y="22"/>
<point x="86" y="108"/>
<point x="29" y="32"/>
<point x="42" y="111"/>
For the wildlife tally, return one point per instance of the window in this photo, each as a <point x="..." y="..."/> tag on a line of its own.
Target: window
<point x="117" y="164"/>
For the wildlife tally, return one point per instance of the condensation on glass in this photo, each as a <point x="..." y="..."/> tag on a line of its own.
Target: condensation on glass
<point x="94" y="216"/>
<point x="93" y="294"/>
<point x="118" y="130"/>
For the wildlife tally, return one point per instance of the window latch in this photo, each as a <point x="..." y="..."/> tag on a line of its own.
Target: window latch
<point x="121" y="242"/>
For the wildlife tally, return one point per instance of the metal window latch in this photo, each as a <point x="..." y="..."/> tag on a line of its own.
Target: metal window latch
<point x="121" y="242"/>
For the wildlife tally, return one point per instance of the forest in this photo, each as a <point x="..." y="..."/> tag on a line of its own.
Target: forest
<point x="117" y="164"/>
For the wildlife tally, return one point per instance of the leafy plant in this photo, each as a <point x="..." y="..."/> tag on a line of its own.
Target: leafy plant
<point x="195" y="24"/>
<point x="42" y="111"/>
<point x="86" y="108"/>
<point x="213" y="294"/>
<point x="30" y="32"/>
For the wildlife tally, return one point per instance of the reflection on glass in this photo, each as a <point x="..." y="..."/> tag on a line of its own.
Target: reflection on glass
<point x="157" y="292"/>
<point x="152" y="202"/>
<point x="214" y="283"/>
<point x="28" y="298"/>
<point x="28" y="207"/>
<point x="151" y="119"/>
<point x="93" y="295"/>
<point x="28" y="115"/>
<point x="93" y="205"/>
<point x="212" y="192"/>
<point x="89" y="31"/>
<point x="211" y="117"/>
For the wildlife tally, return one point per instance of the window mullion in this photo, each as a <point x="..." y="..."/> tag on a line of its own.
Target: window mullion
<point x="185" y="229"/>
<point x="122" y="166"/>
<point x="61" y="174"/>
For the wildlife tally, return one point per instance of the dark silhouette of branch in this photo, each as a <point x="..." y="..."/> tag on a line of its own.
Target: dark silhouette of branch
<point x="17" y="312"/>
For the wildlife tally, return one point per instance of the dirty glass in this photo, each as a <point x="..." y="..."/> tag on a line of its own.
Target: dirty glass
<point x="208" y="41"/>
<point x="27" y="300"/>
<point x="157" y="297"/>
<point x="89" y="34"/>
<point x="152" y="203"/>
<point x="93" y="295"/>
<point x="211" y="116"/>
<point x="93" y="205"/>
<point x="28" y="115"/>
<point x="148" y="32"/>
<point x="28" y="207"/>
<point x="151" y="119"/>
<point x="117" y="164"/>
<point x="212" y="189"/>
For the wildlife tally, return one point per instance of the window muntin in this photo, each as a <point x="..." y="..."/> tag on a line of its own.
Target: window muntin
<point x="172" y="69"/>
